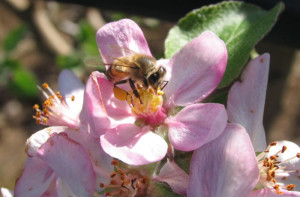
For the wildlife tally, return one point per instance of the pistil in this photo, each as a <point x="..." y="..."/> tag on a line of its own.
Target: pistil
<point x="148" y="106"/>
<point x="124" y="183"/>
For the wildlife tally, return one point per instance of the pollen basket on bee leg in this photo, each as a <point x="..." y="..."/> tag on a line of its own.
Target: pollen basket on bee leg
<point x="120" y="94"/>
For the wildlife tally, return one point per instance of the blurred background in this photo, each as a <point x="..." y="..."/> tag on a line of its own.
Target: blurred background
<point x="40" y="38"/>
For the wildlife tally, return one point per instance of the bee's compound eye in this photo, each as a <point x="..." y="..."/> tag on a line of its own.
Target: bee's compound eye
<point x="153" y="78"/>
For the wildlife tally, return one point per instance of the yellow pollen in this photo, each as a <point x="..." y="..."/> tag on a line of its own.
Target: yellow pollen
<point x="160" y="92"/>
<point x="120" y="94"/>
<point x="273" y="144"/>
<point x="148" y="100"/>
<point x="298" y="155"/>
<point x="73" y="98"/>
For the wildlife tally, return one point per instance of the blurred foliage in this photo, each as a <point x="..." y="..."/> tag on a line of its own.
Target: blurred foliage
<point x="86" y="46"/>
<point x="13" y="74"/>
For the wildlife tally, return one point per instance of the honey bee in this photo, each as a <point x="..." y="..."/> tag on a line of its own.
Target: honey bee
<point x="136" y="69"/>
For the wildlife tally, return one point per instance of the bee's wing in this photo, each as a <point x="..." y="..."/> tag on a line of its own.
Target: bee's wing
<point x="94" y="61"/>
<point x="122" y="50"/>
<point x="97" y="61"/>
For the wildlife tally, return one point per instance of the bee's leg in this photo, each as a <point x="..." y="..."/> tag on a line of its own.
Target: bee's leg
<point x="135" y="92"/>
<point x="127" y="94"/>
<point x="164" y="85"/>
<point x="146" y="83"/>
<point x="120" y="82"/>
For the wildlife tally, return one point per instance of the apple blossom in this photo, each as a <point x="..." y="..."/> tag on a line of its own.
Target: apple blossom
<point x="228" y="165"/>
<point x="64" y="159"/>
<point x="245" y="106"/>
<point x="59" y="108"/>
<point x="137" y="126"/>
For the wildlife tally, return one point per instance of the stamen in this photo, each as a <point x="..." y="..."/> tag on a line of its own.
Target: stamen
<point x="146" y="106"/>
<point x="55" y="110"/>
<point x="123" y="183"/>
<point x="271" y="167"/>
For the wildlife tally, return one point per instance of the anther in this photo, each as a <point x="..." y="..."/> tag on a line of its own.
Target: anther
<point x="45" y="85"/>
<point x="283" y="149"/>
<point x="101" y="185"/>
<point x="290" y="187"/>
<point x="114" y="162"/>
<point x="113" y="182"/>
<point x="36" y="107"/>
<point x="112" y="175"/>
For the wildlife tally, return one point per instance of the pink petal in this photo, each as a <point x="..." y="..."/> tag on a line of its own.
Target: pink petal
<point x="6" y="192"/>
<point x="197" y="69"/>
<point x="35" y="179"/>
<point x="174" y="176"/>
<point x="113" y="37"/>
<point x="36" y="140"/>
<point x="226" y="166"/>
<point x="69" y="85"/>
<point x="246" y="100"/>
<point x="134" y="145"/>
<point x="118" y="111"/>
<point x="101" y="161"/>
<point x="196" y="125"/>
<point x="270" y="193"/>
<point x="94" y="111"/>
<point x="71" y="162"/>
<point x="63" y="189"/>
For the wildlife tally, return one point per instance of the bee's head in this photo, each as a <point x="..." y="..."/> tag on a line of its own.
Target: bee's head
<point x="156" y="78"/>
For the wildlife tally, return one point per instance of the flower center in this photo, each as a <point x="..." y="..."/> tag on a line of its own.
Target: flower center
<point x="124" y="183"/>
<point x="147" y="106"/>
<point x="271" y="169"/>
<point x="55" y="110"/>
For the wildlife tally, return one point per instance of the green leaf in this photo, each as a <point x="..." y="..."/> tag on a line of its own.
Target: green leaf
<point x="14" y="37"/>
<point x="86" y="39"/>
<point x="239" y="25"/>
<point x="157" y="189"/>
<point x="68" y="61"/>
<point x="23" y="83"/>
<point x="10" y="64"/>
